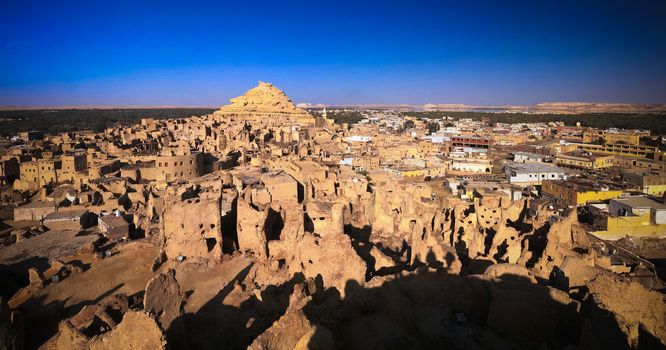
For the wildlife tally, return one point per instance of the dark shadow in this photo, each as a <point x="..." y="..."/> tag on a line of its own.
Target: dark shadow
<point x="300" y="192"/>
<point x="229" y="229"/>
<point x="520" y="225"/>
<point x="435" y="310"/>
<point x="537" y="244"/>
<point x="308" y="224"/>
<point x="15" y="276"/>
<point x="41" y="320"/>
<point x="274" y="225"/>
<point x="218" y="325"/>
<point x="488" y="240"/>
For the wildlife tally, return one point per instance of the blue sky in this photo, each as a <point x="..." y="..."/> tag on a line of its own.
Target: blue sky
<point x="334" y="52"/>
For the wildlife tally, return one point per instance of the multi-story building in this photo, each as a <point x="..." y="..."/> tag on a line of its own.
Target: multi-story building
<point x="532" y="173"/>
<point x="580" y="192"/>
<point x="470" y="141"/>
<point x="638" y="164"/>
<point x="621" y="149"/>
<point x="37" y="173"/>
<point x="652" y="183"/>
<point x="584" y="161"/>
<point x="613" y="136"/>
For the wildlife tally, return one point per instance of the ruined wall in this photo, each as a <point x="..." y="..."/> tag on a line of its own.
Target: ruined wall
<point x="192" y="228"/>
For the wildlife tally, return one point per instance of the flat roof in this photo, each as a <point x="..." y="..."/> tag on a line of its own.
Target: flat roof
<point x="527" y="154"/>
<point x="534" y="168"/>
<point x="65" y="215"/>
<point x="114" y="221"/>
<point x="641" y="202"/>
<point x="586" y="185"/>
<point x="276" y="177"/>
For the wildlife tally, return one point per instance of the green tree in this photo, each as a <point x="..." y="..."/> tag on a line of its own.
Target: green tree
<point x="433" y="127"/>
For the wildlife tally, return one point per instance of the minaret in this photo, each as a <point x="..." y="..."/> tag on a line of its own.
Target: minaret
<point x="323" y="114"/>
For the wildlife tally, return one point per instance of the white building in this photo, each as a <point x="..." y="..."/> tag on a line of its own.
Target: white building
<point x="471" y="165"/>
<point x="526" y="174"/>
<point x="527" y="157"/>
<point x="358" y="138"/>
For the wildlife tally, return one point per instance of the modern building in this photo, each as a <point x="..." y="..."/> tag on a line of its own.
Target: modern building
<point x="612" y="136"/>
<point x="575" y="192"/>
<point x="587" y="161"/>
<point x="637" y="216"/>
<point x="470" y="141"/>
<point x="527" y="157"/>
<point x="649" y="182"/>
<point x="532" y="173"/>
<point x="620" y="149"/>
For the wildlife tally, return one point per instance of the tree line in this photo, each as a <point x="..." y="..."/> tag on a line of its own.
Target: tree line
<point x="67" y="120"/>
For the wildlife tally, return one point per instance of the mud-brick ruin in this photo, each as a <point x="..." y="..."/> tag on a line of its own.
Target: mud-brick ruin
<point x="253" y="237"/>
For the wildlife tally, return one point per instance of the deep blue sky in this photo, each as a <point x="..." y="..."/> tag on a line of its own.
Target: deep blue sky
<point x="203" y="53"/>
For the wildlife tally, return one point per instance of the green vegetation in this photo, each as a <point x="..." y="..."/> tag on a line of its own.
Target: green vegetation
<point x="341" y="117"/>
<point x="654" y="122"/>
<point x="408" y="124"/>
<point x="66" y="120"/>
<point x="433" y="127"/>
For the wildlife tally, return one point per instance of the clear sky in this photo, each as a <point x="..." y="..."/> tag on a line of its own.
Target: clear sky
<point x="205" y="52"/>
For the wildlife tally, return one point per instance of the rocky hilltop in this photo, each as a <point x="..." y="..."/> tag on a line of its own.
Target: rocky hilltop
<point x="265" y="101"/>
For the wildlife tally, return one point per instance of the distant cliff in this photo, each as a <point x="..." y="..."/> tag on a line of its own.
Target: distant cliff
<point x="558" y="107"/>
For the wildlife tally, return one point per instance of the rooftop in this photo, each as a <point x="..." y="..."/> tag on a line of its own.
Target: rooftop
<point x="534" y="168"/>
<point x="581" y="185"/>
<point x="641" y="202"/>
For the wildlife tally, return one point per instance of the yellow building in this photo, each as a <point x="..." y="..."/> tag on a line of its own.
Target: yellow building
<point x="585" y="161"/>
<point x="410" y="172"/>
<point x="509" y="138"/>
<point x="579" y="192"/>
<point x="620" y="149"/>
<point x="634" y="164"/>
<point x="652" y="183"/>
<point x="635" y="217"/>
<point x="612" y="137"/>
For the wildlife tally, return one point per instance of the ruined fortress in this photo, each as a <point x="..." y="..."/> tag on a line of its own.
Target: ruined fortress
<point x="245" y="229"/>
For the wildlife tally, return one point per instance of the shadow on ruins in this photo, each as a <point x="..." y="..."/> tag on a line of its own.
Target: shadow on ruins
<point x="423" y="310"/>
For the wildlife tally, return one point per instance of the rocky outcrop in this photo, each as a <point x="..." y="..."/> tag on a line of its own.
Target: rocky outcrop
<point x="110" y="324"/>
<point x="138" y="330"/>
<point x="624" y="314"/>
<point x="163" y="299"/>
<point x="331" y="257"/>
<point x="265" y="103"/>
<point x="530" y="311"/>
<point x="293" y="330"/>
